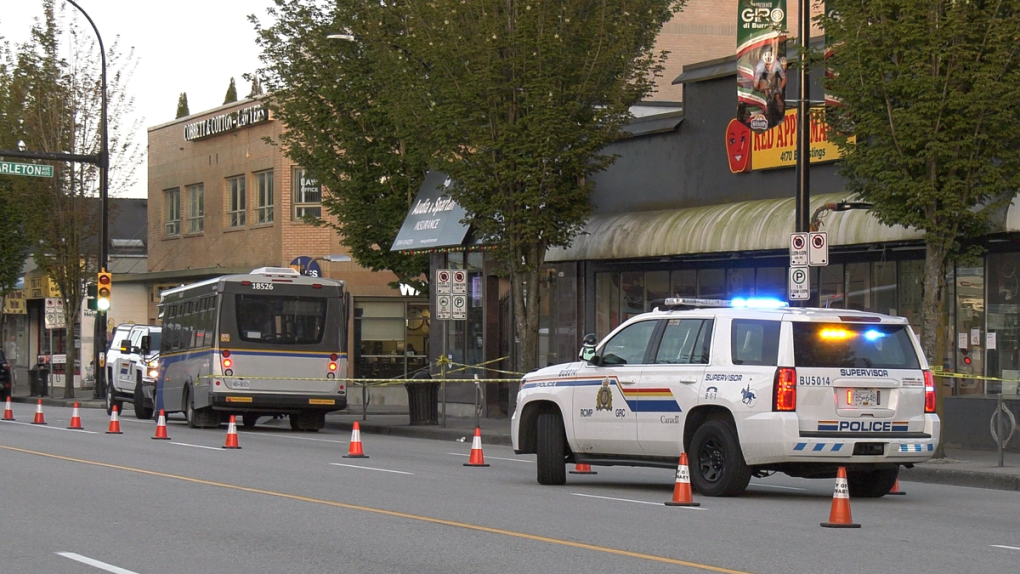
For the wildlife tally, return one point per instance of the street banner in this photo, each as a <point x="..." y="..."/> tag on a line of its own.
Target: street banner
<point x="761" y="63"/>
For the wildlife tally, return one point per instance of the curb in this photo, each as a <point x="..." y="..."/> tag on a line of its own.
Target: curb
<point x="955" y="477"/>
<point x="430" y="432"/>
<point x="89" y="403"/>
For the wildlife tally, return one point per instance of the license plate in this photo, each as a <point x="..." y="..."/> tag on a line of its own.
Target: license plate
<point x="240" y="384"/>
<point x="864" y="398"/>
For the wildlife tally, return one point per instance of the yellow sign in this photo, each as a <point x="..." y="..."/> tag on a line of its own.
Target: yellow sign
<point x="321" y="402"/>
<point x="777" y="147"/>
<point x="41" y="287"/>
<point x="14" y="303"/>
<point x="238" y="399"/>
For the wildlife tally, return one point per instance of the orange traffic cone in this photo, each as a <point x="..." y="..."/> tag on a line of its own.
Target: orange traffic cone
<point x="161" y="428"/>
<point x="477" y="458"/>
<point x="39" y="420"/>
<point x="8" y="413"/>
<point x="896" y="488"/>
<point x="355" y="450"/>
<point x="682" y="489"/>
<point x="839" y="516"/>
<point x="231" y="433"/>
<point x="582" y="468"/>
<point x="75" y="419"/>
<point x="114" y="422"/>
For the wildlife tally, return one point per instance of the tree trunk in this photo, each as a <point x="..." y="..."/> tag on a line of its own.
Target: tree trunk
<point x="932" y="306"/>
<point x="71" y="355"/>
<point x="527" y="302"/>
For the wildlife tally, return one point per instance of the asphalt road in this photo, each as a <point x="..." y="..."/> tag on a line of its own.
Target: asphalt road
<point x="75" y="502"/>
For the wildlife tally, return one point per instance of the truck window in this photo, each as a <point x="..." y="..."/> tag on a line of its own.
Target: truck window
<point x="685" y="342"/>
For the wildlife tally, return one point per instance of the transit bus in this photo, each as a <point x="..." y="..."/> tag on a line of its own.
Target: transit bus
<point x="272" y="342"/>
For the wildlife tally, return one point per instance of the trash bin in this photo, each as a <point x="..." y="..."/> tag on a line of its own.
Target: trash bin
<point x="38" y="380"/>
<point x="423" y="400"/>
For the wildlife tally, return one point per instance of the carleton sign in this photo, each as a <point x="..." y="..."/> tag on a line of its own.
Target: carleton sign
<point x="226" y="122"/>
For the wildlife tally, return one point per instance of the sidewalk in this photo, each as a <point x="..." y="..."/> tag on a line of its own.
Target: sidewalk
<point x="974" y="468"/>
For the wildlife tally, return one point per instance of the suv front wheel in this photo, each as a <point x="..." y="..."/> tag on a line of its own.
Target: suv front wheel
<point x="717" y="463"/>
<point x="551" y="449"/>
<point x="111" y="401"/>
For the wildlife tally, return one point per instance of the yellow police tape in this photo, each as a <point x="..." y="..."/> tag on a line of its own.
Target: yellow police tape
<point x="358" y="382"/>
<point x="952" y="375"/>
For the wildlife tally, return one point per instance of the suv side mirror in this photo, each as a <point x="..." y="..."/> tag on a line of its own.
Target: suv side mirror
<point x="146" y="344"/>
<point x="588" y="349"/>
<point x="125" y="347"/>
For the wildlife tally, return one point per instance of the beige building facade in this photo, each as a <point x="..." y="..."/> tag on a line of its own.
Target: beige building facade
<point x="222" y="200"/>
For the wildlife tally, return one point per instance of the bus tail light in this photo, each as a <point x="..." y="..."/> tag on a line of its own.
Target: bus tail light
<point x="227" y="363"/>
<point x="784" y="390"/>
<point x="929" y="392"/>
<point x="332" y="367"/>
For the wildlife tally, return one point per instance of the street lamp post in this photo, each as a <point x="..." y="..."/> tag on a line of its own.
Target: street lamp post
<point x="844" y="205"/>
<point x="99" y="348"/>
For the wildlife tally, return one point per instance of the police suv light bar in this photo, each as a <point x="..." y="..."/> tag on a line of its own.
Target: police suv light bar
<point x="674" y="303"/>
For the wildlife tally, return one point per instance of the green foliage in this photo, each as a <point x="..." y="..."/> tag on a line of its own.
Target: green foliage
<point x="256" y="88"/>
<point x="343" y="130"/>
<point x="231" y="96"/>
<point x="15" y="243"/>
<point x="930" y="90"/>
<point x="182" y="106"/>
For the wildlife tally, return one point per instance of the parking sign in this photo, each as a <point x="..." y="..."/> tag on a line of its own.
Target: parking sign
<point x="800" y="283"/>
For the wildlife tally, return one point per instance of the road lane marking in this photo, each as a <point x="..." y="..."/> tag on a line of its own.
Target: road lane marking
<point x="196" y="445"/>
<point x="1006" y="547"/>
<point x="629" y="500"/>
<point x="777" y="486"/>
<point x="95" y="563"/>
<point x="51" y="428"/>
<point x="494" y="457"/>
<point x="252" y="433"/>
<point x="390" y="513"/>
<point x="369" y="468"/>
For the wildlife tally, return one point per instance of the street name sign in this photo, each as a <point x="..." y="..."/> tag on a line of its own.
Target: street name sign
<point x="798" y="249"/>
<point x="29" y="169"/>
<point x="800" y="283"/>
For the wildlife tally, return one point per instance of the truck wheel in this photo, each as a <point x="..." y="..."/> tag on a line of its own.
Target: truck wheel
<point x="551" y="449"/>
<point x="717" y="463"/>
<point x="139" y="401"/>
<point x="111" y="401"/>
<point x="871" y="483"/>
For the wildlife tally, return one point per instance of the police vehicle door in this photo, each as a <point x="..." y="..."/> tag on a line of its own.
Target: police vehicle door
<point x="603" y="423"/>
<point x="669" y="386"/>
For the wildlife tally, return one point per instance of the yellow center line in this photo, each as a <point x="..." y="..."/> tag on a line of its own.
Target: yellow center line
<point x="464" y="525"/>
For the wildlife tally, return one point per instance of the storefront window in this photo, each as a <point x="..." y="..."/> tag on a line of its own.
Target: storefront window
<point x="830" y="287"/>
<point x="771" y="282"/>
<point x="684" y="283"/>
<point x="607" y="303"/>
<point x="910" y="288"/>
<point x="391" y="338"/>
<point x="464" y="337"/>
<point x="633" y="291"/>
<point x="970" y="308"/>
<point x="657" y="288"/>
<point x="858" y="286"/>
<point x="711" y="283"/>
<point x="883" y="287"/>
<point x="1002" y="341"/>
<point x="739" y="283"/>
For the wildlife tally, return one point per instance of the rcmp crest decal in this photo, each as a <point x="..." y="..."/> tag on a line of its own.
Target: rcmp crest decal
<point x="604" y="398"/>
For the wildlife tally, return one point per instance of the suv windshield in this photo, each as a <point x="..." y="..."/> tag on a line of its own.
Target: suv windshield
<point x="280" y="320"/>
<point x="845" y="345"/>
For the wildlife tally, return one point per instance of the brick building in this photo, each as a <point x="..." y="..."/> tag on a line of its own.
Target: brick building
<point x="222" y="200"/>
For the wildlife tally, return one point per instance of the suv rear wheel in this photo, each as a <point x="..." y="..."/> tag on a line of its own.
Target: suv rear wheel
<point x="551" y="449"/>
<point x="871" y="483"/>
<point x="717" y="463"/>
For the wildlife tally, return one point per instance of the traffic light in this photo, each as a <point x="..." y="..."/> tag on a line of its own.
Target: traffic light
<point x="104" y="286"/>
<point x="90" y="299"/>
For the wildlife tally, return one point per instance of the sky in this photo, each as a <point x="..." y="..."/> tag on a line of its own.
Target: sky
<point x="192" y="46"/>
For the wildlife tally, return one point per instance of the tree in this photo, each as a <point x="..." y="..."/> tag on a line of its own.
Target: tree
<point x="522" y="99"/>
<point x="256" y="88"/>
<point x="929" y="88"/>
<point x="182" y="106"/>
<point x="231" y="96"/>
<point x="58" y="104"/>
<point x="342" y="128"/>
<point x="14" y="247"/>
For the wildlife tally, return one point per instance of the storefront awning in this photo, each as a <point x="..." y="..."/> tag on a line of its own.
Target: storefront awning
<point x="744" y="226"/>
<point x="434" y="220"/>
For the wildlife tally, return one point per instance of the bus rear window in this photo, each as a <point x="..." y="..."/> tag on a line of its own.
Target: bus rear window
<point x="850" y="345"/>
<point x="280" y="320"/>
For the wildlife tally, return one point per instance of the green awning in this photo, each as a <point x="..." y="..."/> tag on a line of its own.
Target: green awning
<point x="745" y="226"/>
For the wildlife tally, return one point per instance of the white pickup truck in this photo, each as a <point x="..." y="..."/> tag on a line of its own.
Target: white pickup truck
<point x="134" y="370"/>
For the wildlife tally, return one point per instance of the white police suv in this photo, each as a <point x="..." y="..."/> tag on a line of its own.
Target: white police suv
<point x="746" y="388"/>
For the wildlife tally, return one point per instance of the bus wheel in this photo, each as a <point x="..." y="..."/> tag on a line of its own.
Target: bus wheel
<point x="309" y="421"/>
<point x="249" y="420"/>
<point x="294" y="422"/>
